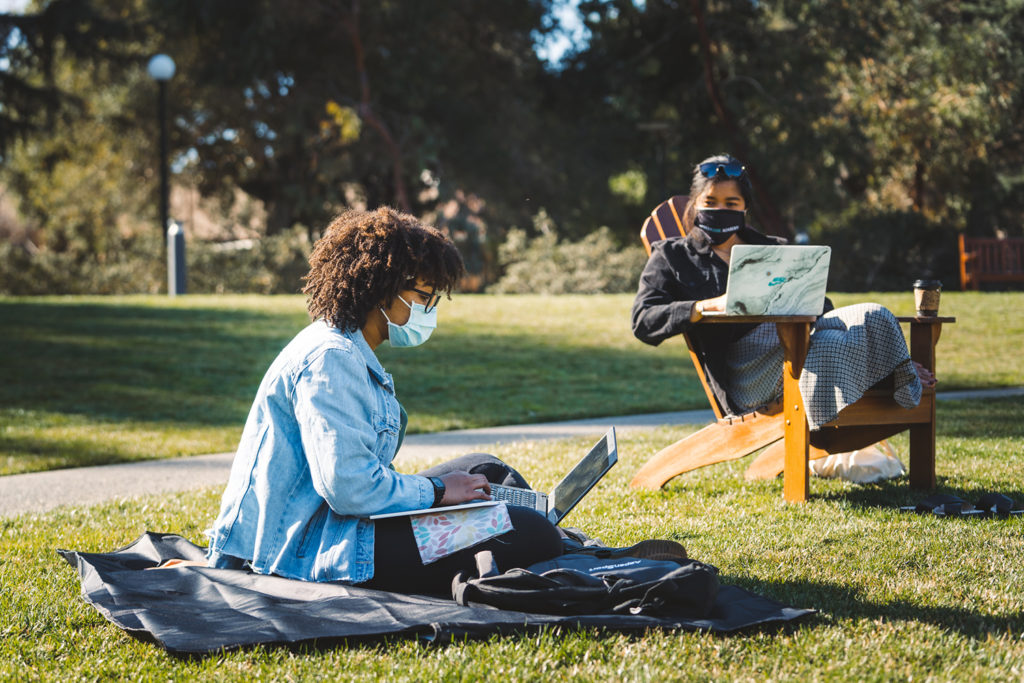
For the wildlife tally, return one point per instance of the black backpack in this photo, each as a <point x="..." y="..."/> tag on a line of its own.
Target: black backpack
<point x="585" y="584"/>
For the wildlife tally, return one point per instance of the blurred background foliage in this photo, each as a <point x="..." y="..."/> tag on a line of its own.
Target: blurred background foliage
<point x="881" y="127"/>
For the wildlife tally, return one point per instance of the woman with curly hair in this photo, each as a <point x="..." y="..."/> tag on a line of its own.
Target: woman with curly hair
<point x="315" y="456"/>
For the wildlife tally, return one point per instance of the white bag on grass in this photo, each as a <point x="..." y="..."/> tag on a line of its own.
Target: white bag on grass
<point x="863" y="466"/>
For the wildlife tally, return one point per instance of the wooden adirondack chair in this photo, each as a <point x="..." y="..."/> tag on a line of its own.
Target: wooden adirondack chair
<point x="782" y="429"/>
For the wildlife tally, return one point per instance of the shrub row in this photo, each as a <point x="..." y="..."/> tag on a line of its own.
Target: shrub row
<point x="273" y="265"/>
<point x="871" y="250"/>
<point x="545" y="265"/>
<point x="882" y="251"/>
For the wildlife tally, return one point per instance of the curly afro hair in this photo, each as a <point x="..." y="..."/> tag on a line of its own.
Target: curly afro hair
<point x="366" y="258"/>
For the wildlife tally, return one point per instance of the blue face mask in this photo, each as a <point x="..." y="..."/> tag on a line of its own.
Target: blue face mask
<point x="417" y="328"/>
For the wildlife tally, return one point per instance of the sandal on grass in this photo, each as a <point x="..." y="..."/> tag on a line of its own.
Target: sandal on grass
<point x="946" y="505"/>
<point x="999" y="505"/>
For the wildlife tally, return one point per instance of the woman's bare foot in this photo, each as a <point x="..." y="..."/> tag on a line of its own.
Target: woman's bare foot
<point x="926" y="376"/>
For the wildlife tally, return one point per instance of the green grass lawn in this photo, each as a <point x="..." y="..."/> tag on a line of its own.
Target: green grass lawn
<point x="91" y="380"/>
<point x="900" y="596"/>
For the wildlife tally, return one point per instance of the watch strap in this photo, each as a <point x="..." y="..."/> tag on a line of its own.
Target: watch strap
<point x="439" y="490"/>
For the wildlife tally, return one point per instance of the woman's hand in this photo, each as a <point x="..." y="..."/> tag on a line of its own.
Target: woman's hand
<point x="462" y="487"/>
<point x="716" y="304"/>
<point x="926" y="376"/>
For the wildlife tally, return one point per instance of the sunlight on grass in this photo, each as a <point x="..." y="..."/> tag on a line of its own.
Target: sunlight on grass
<point x="33" y="441"/>
<point x="94" y="380"/>
<point x="899" y="595"/>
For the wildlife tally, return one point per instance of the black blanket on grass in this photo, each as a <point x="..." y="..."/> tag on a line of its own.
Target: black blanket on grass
<point x="196" y="610"/>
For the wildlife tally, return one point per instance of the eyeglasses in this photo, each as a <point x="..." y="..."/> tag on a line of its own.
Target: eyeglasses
<point x="730" y="170"/>
<point x="432" y="299"/>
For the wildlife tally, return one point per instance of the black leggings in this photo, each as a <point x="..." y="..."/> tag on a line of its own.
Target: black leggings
<point x="396" y="560"/>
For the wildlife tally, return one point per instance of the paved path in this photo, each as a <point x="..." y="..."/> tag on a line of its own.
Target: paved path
<point x="41" y="491"/>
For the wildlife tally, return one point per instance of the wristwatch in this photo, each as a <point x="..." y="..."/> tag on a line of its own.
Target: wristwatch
<point x="438" y="490"/>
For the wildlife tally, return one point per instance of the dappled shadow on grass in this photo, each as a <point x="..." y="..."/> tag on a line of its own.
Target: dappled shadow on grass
<point x="483" y="379"/>
<point x="24" y="454"/>
<point x="1002" y="417"/>
<point x="34" y="454"/>
<point x="203" y="365"/>
<point x="119" y="361"/>
<point x="971" y="419"/>
<point x="897" y="493"/>
<point x="837" y="601"/>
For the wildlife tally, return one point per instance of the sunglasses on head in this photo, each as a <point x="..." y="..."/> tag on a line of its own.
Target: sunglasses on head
<point x="733" y="169"/>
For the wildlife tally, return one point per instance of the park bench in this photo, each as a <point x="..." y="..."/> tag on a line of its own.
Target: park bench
<point x="990" y="259"/>
<point x="781" y="430"/>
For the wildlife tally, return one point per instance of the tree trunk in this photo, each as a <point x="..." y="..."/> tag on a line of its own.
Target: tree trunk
<point x="368" y="115"/>
<point x="766" y="209"/>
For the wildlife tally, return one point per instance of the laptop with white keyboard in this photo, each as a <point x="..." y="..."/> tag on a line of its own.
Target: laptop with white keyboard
<point x="563" y="497"/>
<point x="573" y="486"/>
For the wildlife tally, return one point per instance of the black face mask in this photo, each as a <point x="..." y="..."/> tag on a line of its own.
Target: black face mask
<point x="719" y="224"/>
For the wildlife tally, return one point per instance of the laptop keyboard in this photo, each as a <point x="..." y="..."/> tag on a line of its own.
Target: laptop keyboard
<point x="514" y="496"/>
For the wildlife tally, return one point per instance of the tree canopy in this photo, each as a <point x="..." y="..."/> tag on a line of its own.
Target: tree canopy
<point x="838" y="109"/>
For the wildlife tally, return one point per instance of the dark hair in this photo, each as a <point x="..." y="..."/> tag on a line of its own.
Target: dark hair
<point x="366" y="258"/>
<point x="700" y="184"/>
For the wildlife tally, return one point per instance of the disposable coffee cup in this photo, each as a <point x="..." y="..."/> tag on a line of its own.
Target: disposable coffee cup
<point x="926" y="297"/>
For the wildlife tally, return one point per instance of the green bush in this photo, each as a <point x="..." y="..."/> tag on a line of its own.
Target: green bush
<point x="135" y="266"/>
<point x="273" y="265"/>
<point x="543" y="265"/>
<point x="876" y="250"/>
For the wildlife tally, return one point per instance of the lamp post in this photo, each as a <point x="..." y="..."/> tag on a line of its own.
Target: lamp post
<point x="161" y="69"/>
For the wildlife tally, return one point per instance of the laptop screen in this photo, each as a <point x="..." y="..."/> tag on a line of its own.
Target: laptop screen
<point x="582" y="478"/>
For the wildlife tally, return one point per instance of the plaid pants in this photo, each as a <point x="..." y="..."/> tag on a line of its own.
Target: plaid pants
<point x="851" y="348"/>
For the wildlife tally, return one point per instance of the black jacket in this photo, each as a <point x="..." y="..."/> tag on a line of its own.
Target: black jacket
<point x="681" y="272"/>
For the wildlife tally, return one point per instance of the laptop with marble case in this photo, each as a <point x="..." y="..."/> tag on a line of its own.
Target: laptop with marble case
<point x="776" y="280"/>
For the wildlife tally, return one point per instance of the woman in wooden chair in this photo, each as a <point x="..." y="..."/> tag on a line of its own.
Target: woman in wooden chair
<point x="851" y="348"/>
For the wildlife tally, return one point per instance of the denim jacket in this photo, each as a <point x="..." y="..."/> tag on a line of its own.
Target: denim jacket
<point x="314" y="462"/>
